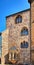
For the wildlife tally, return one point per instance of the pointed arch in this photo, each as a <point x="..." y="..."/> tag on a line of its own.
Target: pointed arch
<point x="18" y="19"/>
<point x="24" y="31"/>
<point x="24" y="44"/>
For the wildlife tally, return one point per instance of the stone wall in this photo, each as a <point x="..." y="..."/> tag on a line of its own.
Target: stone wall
<point x="32" y="22"/>
<point x="15" y="37"/>
<point x="12" y="37"/>
<point x="32" y="31"/>
<point x="4" y="45"/>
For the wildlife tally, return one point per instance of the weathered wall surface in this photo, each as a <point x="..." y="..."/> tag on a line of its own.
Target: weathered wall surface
<point x="4" y="45"/>
<point x="32" y="22"/>
<point x="12" y="37"/>
<point x="15" y="37"/>
<point x="32" y="30"/>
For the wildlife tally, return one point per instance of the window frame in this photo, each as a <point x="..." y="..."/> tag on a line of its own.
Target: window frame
<point x="24" y="31"/>
<point x="18" y="19"/>
<point x="24" y="43"/>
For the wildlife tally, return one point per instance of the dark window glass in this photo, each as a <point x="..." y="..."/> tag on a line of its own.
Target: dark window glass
<point x="11" y="56"/>
<point x="14" y="55"/>
<point x="24" y="31"/>
<point x="24" y="45"/>
<point x="18" y="19"/>
<point x="26" y="64"/>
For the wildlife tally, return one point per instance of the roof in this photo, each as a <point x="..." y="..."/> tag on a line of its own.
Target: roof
<point x="18" y="12"/>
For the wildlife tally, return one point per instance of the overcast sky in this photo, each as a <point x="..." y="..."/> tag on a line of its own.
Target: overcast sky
<point x="8" y="7"/>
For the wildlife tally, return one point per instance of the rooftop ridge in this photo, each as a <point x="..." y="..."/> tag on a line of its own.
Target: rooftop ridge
<point x="18" y="12"/>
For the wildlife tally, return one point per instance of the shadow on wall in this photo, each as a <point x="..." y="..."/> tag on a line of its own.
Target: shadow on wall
<point x="0" y="60"/>
<point x="7" y="59"/>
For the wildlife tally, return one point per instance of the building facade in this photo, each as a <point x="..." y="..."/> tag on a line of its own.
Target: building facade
<point x="18" y="38"/>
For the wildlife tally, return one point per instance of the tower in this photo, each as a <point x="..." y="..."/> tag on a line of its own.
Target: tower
<point x="32" y="28"/>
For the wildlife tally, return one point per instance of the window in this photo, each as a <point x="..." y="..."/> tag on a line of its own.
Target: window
<point x="24" y="45"/>
<point x="11" y="55"/>
<point x="26" y="64"/>
<point x="13" y="48"/>
<point x="24" y="31"/>
<point x="18" y="19"/>
<point x="15" y="55"/>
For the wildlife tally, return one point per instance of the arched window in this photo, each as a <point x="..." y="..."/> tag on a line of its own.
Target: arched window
<point x="24" y="31"/>
<point x="13" y="48"/>
<point x="24" y="44"/>
<point x="18" y="19"/>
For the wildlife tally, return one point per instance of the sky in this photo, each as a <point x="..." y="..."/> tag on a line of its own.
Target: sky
<point x="8" y="7"/>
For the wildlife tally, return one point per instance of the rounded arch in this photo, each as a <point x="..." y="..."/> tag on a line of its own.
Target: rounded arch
<point x="24" y="31"/>
<point x="24" y="44"/>
<point x="18" y="19"/>
<point x="13" y="48"/>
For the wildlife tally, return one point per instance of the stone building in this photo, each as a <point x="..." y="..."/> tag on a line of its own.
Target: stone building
<point x="18" y="38"/>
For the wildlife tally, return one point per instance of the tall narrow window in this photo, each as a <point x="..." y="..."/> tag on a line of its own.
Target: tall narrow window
<point x="18" y="19"/>
<point x="24" y="44"/>
<point x="24" y="31"/>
